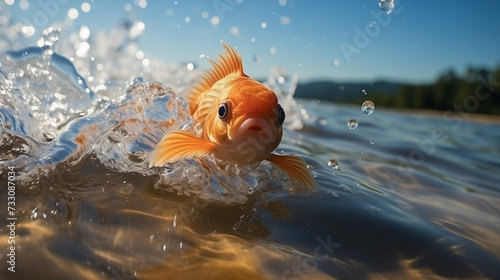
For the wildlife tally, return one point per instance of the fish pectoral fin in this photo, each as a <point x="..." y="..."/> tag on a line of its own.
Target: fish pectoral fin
<point x="296" y="168"/>
<point x="177" y="145"/>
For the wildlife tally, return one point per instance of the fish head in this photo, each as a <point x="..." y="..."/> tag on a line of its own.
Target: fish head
<point x="246" y="121"/>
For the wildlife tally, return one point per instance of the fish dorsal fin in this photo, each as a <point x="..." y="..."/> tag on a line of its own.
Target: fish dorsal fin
<point x="229" y="63"/>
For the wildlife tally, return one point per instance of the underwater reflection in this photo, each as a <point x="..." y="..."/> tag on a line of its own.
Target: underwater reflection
<point x="93" y="223"/>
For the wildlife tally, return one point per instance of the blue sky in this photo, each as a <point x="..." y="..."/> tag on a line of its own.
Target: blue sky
<point x="349" y="40"/>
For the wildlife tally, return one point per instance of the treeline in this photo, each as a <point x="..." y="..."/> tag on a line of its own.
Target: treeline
<point x="477" y="91"/>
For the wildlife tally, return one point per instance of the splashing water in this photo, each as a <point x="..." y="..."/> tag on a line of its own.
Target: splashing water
<point x="50" y="37"/>
<point x="368" y="107"/>
<point x="50" y="86"/>
<point x="284" y="85"/>
<point x="386" y="5"/>
<point x="45" y="98"/>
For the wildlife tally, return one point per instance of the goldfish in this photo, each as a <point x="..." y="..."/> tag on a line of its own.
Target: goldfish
<point x="241" y="119"/>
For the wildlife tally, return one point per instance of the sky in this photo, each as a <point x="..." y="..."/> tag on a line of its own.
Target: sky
<point x="350" y="40"/>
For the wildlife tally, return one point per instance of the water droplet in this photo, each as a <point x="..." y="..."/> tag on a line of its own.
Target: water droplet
<point x="372" y="142"/>
<point x="142" y="3"/>
<point x="368" y="107"/>
<point x="73" y="13"/>
<point x="235" y="31"/>
<point x="24" y="4"/>
<point x="334" y="195"/>
<point x="84" y="32"/>
<point x="50" y="36"/>
<point x="386" y="5"/>
<point x="126" y="190"/>
<point x="345" y="188"/>
<point x="34" y="214"/>
<point x="285" y="20"/>
<point x="28" y="31"/>
<point x="85" y="7"/>
<point x="322" y="121"/>
<point x="215" y="20"/>
<point x="334" y="164"/>
<point x="352" y="124"/>
<point x="364" y="91"/>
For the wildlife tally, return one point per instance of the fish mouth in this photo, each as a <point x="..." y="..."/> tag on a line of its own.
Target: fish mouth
<point x="257" y="126"/>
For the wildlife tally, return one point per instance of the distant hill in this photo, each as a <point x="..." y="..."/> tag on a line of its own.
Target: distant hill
<point x="345" y="92"/>
<point x="475" y="91"/>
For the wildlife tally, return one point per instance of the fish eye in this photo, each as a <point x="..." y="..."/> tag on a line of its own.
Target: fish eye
<point x="222" y="112"/>
<point x="281" y="114"/>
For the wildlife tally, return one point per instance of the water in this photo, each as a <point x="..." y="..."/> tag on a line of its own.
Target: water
<point x="386" y="5"/>
<point x="368" y="107"/>
<point x="352" y="124"/>
<point x="404" y="195"/>
<point x="334" y="164"/>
